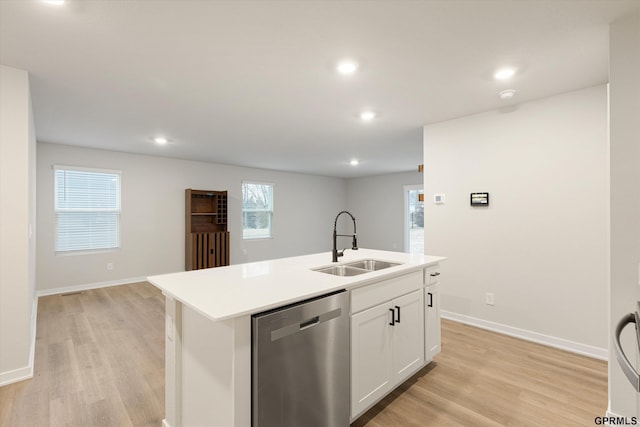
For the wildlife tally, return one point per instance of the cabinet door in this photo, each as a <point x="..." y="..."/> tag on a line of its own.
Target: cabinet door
<point x="370" y="356"/>
<point x="432" y="321"/>
<point x="407" y="335"/>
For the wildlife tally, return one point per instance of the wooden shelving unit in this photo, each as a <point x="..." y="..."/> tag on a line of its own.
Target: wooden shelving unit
<point x="206" y="235"/>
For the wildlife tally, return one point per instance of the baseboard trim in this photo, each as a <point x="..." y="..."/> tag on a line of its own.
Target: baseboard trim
<point x="16" y="375"/>
<point x="573" y="347"/>
<point x="88" y="286"/>
<point x="25" y="373"/>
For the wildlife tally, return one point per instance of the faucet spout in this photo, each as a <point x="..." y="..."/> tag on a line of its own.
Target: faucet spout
<point x="354" y="242"/>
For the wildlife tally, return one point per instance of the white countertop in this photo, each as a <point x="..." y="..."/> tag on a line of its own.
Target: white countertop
<point x="226" y="292"/>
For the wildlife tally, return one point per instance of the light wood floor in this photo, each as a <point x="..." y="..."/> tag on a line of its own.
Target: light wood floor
<point x="100" y="362"/>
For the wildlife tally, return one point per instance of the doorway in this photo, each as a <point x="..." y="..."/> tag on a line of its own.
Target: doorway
<point x="413" y="219"/>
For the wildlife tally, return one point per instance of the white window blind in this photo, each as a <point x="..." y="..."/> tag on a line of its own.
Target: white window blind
<point x="87" y="206"/>
<point x="257" y="210"/>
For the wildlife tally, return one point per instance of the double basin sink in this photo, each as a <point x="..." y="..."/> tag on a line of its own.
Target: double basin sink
<point x="356" y="267"/>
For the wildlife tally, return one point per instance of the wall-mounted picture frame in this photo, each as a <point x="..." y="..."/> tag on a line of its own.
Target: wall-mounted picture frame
<point x="479" y="199"/>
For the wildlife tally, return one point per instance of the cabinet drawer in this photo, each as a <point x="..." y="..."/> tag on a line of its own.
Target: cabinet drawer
<point x="432" y="275"/>
<point x="377" y="293"/>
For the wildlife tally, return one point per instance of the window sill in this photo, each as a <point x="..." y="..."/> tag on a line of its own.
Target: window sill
<point x="86" y="252"/>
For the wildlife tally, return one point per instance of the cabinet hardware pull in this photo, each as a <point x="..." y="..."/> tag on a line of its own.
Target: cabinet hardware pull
<point x="398" y="318"/>
<point x="393" y="313"/>
<point x="430" y="299"/>
<point x="437" y="273"/>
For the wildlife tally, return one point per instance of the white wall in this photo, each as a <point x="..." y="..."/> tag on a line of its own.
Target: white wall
<point x="541" y="247"/>
<point x="377" y="202"/>
<point x="152" y="221"/>
<point x="17" y="215"/>
<point x="624" y="116"/>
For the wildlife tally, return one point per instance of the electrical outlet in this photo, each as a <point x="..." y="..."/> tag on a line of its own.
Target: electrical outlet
<point x="488" y="298"/>
<point x="109" y="266"/>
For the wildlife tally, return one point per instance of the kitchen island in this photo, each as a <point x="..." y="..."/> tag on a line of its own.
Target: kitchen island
<point x="208" y="326"/>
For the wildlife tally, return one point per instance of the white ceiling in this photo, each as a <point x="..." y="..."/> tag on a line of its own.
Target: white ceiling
<point x="253" y="83"/>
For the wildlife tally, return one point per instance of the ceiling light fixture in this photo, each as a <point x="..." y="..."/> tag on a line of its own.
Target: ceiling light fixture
<point x="160" y="140"/>
<point x="504" y="73"/>
<point x="367" y="116"/>
<point x="347" y="67"/>
<point x="55" y="2"/>
<point x="507" y="94"/>
<point x="354" y="162"/>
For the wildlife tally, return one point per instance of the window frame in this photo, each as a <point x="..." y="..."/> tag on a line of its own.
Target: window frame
<point x="271" y="211"/>
<point x="58" y="210"/>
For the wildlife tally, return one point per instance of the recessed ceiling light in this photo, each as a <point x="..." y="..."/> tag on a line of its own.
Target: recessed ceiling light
<point x="354" y="162"/>
<point x="55" y="2"/>
<point x="347" y="67"/>
<point x="367" y="116"/>
<point x="160" y="140"/>
<point x="507" y="94"/>
<point x="504" y="73"/>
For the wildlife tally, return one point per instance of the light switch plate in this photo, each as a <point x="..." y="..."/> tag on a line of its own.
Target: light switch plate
<point x="438" y="199"/>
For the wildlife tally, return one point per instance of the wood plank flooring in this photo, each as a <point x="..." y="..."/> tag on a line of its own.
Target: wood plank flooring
<point x="100" y="362"/>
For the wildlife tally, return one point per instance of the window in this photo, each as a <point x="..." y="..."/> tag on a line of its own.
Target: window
<point x="87" y="206"/>
<point x="257" y="210"/>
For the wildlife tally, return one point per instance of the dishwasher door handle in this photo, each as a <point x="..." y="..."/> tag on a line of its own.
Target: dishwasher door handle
<point x="623" y="361"/>
<point x="309" y="323"/>
<point x="292" y="328"/>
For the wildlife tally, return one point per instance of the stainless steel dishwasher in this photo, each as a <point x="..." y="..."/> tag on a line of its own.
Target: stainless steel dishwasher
<point x="300" y="364"/>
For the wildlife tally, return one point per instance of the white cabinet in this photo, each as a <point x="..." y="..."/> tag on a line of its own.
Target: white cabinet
<point x="407" y="336"/>
<point x="370" y="357"/>
<point x="387" y="339"/>
<point x="432" y="339"/>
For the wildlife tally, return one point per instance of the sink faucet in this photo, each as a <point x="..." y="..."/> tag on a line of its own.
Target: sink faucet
<point x="354" y="245"/>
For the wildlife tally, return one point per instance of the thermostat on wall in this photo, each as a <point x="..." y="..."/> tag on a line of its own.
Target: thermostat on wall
<point x="479" y="199"/>
<point x="438" y="199"/>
